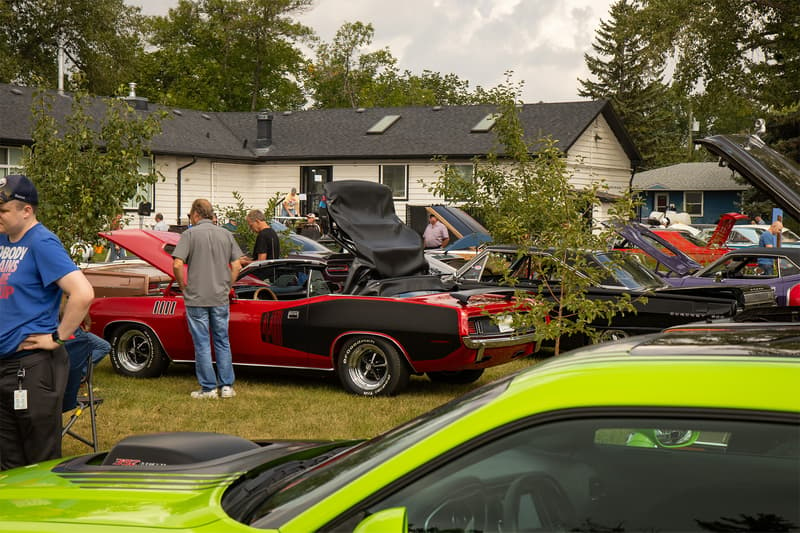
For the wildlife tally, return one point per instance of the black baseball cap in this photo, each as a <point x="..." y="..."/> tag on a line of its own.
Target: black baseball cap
<point x="18" y="187"/>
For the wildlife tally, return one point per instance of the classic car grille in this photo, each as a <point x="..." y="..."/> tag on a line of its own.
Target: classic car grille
<point x="482" y="325"/>
<point x="757" y="296"/>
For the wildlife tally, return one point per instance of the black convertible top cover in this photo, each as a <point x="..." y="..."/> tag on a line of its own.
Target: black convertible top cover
<point x="364" y="221"/>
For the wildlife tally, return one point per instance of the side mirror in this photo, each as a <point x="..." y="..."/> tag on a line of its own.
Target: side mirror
<point x="394" y="520"/>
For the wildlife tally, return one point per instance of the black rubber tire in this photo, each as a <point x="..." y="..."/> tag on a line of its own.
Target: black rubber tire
<point x="371" y="366"/>
<point x="136" y="352"/>
<point x="456" y="377"/>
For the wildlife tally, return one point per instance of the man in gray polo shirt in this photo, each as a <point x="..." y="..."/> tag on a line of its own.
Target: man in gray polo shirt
<point x="212" y="256"/>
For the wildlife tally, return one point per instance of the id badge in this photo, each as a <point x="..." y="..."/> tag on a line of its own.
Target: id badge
<point x="20" y="399"/>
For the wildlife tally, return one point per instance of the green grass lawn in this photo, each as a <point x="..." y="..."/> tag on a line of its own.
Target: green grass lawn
<point x="269" y="404"/>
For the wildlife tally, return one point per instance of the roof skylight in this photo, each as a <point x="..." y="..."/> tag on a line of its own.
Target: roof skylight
<point x="383" y="124"/>
<point x="486" y="123"/>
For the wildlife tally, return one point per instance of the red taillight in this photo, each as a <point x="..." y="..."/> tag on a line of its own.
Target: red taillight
<point x="793" y="298"/>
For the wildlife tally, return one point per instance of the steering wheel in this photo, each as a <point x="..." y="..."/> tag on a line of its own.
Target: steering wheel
<point x="550" y="503"/>
<point x="264" y="293"/>
<point x="463" y="507"/>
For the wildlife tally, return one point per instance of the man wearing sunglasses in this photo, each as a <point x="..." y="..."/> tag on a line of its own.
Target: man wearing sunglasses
<point x="35" y="271"/>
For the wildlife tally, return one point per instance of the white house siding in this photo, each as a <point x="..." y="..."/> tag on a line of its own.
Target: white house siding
<point x="355" y="171"/>
<point x="598" y="155"/>
<point x="257" y="184"/>
<point x="195" y="183"/>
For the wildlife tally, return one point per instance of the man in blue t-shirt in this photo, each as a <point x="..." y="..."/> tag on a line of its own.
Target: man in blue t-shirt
<point x="769" y="239"/>
<point x="35" y="271"/>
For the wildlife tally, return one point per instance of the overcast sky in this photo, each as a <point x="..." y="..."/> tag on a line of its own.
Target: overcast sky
<point x="542" y="41"/>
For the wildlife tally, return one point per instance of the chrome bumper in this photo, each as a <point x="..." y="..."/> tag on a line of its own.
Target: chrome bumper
<point x="500" y="341"/>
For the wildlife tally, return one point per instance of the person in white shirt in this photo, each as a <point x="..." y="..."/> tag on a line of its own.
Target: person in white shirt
<point x="435" y="235"/>
<point x="160" y="225"/>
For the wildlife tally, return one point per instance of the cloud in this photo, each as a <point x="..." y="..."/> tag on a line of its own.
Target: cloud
<point x="542" y="41"/>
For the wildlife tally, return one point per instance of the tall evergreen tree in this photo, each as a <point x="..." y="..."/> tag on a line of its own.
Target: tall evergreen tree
<point x="626" y="76"/>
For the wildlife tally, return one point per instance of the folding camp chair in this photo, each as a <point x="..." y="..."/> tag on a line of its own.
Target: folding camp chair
<point x="89" y="403"/>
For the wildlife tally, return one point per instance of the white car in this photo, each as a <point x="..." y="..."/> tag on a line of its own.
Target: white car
<point x="748" y="235"/>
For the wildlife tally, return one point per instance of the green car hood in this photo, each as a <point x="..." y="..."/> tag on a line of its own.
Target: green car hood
<point x="129" y="486"/>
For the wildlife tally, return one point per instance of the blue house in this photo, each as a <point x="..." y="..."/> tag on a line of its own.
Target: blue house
<point x="704" y="190"/>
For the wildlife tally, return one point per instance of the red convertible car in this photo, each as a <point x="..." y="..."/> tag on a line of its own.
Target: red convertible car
<point x="284" y="313"/>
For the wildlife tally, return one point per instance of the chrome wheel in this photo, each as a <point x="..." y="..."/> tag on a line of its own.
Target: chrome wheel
<point x="136" y="352"/>
<point x="371" y="366"/>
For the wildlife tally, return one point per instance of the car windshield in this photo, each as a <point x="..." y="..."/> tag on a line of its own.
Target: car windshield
<point x="693" y="239"/>
<point x="788" y="235"/>
<point x="697" y="241"/>
<point x="302" y="492"/>
<point x="615" y="269"/>
<point x="625" y="271"/>
<point x="307" y="244"/>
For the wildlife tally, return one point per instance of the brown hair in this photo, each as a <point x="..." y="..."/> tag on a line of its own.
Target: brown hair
<point x="203" y="208"/>
<point x="255" y="215"/>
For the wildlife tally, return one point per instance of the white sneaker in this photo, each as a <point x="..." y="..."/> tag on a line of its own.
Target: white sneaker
<point x="203" y="394"/>
<point x="227" y="392"/>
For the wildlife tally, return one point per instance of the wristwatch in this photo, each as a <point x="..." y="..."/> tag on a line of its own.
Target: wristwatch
<point x="56" y="338"/>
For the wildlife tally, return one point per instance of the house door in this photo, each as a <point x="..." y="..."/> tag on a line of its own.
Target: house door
<point x="661" y="202"/>
<point x="312" y="183"/>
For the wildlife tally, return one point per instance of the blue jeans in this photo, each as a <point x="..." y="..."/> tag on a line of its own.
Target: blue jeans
<point x="78" y="351"/>
<point x="214" y="319"/>
<point x="79" y="348"/>
<point x="98" y="346"/>
<point x="117" y="252"/>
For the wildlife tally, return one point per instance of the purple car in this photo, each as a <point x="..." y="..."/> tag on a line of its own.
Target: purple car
<point x="777" y="268"/>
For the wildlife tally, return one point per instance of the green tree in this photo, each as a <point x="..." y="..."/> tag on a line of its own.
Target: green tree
<point x="101" y="40"/>
<point x="226" y="55"/>
<point x="737" y="60"/>
<point x="235" y="219"/>
<point x="344" y="74"/>
<point x="632" y="81"/>
<point x="86" y="169"/>
<point x="524" y="196"/>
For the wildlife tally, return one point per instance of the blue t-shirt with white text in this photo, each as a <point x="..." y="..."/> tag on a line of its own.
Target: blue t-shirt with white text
<point x="29" y="294"/>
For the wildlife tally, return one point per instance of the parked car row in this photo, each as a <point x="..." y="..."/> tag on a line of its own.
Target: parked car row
<point x="290" y="312"/>
<point x="377" y="315"/>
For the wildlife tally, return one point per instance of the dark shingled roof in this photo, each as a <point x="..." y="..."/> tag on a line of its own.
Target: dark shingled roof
<point x="688" y="177"/>
<point x="421" y="132"/>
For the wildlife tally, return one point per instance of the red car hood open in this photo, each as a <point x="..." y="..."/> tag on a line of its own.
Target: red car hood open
<point x="152" y="246"/>
<point x="723" y="230"/>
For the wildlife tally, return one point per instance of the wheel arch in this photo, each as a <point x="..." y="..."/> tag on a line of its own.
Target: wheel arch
<point x="112" y="328"/>
<point x="342" y="338"/>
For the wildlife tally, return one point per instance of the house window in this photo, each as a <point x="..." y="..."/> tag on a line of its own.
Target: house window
<point x="661" y="201"/>
<point x="396" y="178"/>
<point x="144" y="193"/>
<point x="467" y="172"/>
<point x="693" y="203"/>
<point x="10" y="160"/>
